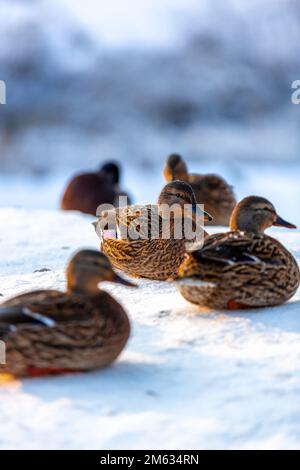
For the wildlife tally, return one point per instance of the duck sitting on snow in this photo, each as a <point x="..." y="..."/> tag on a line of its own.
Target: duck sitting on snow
<point x="148" y="256"/>
<point x="211" y="190"/>
<point x="86" y="191"/>
<point x="242" y="268"/>
<point x="51" y="332"/>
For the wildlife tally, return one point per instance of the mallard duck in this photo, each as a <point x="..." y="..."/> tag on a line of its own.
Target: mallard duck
<point x="211" y="190"/>
<point x="242" y="268"/>
<point x="145" y="250"/>
<point x="49" y="332"/>
<point x="86" y="191"/>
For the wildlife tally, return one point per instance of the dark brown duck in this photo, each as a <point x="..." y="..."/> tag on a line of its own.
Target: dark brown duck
<point x="86" y="191"/>
<point x="153" y="258"/>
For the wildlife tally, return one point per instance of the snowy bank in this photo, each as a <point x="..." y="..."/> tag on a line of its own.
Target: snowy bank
<point x="187" y="379"/>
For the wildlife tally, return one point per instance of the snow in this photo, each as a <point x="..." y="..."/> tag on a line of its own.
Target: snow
<point x="188" y="378"/>
<point x="279" y="182"/>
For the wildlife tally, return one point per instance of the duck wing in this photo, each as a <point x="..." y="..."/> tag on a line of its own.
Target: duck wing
<point x="49" y="331"/>
<point x="232" y="248"/>
<point x="44" y="308"/>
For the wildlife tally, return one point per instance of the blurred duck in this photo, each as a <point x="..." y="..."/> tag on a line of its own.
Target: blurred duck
<point x="148" y="256"/>
<point x="52" y="332"/>
<point x="85" y="192"/>
<point x="211" y="190"/>
<point x="242" y="268"/>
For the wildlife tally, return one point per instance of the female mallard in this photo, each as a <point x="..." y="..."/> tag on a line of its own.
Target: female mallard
<point x="211" y="190"/>
<point x="85" y="192"/>
<point x="147" y="250"/>
<point x="243" y="268"/>
<point x="48" y="331"/>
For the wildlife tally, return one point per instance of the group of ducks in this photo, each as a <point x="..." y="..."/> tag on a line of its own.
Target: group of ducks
<point x="50" y="332"/>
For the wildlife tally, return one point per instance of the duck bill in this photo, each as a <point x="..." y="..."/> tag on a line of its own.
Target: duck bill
<point x="279" y="222"/>
<point x="119" y="280"/>
<point x="198" y="212"/>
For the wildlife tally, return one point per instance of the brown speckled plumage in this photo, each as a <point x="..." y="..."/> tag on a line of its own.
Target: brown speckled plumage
<point x="211" y="190"/>
<point x="241" y="269"/>
<point x="75" y="330"/>
<point x="153" y="258"/>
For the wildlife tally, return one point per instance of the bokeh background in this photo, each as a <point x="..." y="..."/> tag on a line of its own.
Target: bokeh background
<point x="131" y="80"/>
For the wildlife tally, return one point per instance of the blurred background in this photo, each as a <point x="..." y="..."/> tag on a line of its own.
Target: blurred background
<point x="131" y="80"/>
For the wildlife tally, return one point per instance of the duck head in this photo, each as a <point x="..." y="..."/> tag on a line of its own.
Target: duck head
<point x="175" y="168"/>
<point x="112" y="171"/>
<point x="89" y="267"/>
<point x="256" y="214"/>
<point x="180" y="194"/>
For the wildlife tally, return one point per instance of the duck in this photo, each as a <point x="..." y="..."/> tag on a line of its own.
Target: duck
<point x="86" y="191"/>
<point x="242" y="268"/>
<point x="211" y="190"/>
<point x="50" y="332"/>
<point x="145" y="250"/>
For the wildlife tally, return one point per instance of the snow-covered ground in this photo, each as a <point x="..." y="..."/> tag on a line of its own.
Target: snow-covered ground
<point x="134" y="81"/>
<point x="187" y="379"/>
